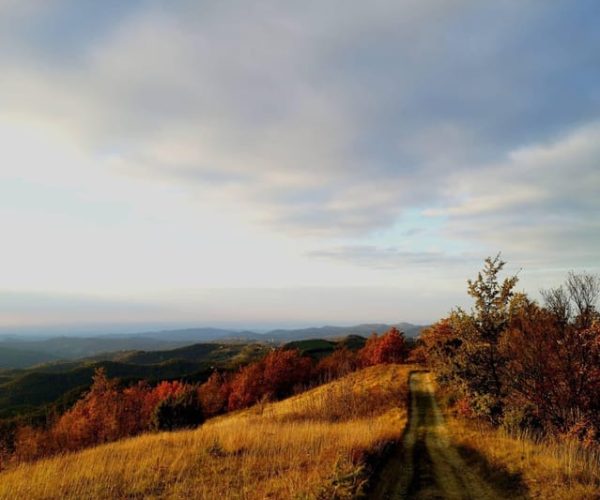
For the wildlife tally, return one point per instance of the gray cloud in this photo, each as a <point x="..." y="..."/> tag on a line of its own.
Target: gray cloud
<point x="394" y="258"/>
<point x="334" y="120"/>
<point x="542" y="204"/>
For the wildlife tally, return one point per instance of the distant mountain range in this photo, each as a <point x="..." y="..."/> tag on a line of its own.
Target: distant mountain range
<point x="279" y="335"/>
<point x="22" y="353"/>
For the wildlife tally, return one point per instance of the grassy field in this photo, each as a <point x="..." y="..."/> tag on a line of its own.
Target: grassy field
<point x="546" y="469"/>
<point x="551" y="469"/>
<point x="540" y="468"/>
<point x="314" y="445"/>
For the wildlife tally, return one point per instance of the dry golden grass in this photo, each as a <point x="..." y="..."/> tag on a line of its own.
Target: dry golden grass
<point x="547" y="469"/>
<point x="310" y="446"/>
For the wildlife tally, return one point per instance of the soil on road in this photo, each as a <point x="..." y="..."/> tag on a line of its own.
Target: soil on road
<point x="427" y="465"/>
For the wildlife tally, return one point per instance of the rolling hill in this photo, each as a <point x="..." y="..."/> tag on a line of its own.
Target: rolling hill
<point x="27" y="391"/>
<point x="332" y="332"/>
<point x="11" y="357"/>
<point x="318" y="348"/>
<point x="69" y="348"/>
<point x="319" y="444"/>
<point x="23" y="352"/>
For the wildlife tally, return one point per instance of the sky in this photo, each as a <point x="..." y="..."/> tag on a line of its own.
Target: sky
<point x="273" y="163"/>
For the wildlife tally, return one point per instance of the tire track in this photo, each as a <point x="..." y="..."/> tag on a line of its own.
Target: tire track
<point x="427" y="465"/>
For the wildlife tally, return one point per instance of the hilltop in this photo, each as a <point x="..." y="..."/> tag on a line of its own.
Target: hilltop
<point x="316" y="444"/>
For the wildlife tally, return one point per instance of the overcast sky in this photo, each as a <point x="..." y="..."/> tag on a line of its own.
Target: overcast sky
<point x="295" y="162"/>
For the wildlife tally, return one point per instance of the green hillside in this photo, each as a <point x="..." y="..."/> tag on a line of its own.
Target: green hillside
<point x="318" y="348"/>
<point x="21" y="358"/>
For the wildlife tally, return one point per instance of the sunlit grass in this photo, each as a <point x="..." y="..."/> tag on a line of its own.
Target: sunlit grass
<point x="552" y="469"/>
<point x="313" y="445"/>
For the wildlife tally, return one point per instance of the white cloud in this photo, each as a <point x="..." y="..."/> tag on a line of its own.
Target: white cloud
<point x="541" y="203"/>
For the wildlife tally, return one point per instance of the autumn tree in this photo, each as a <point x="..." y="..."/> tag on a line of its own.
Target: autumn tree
<point x="554" y="364"/>
<point x="247" y="386"/>
<point x="391" y="347"/>
<point x="94" y="419"/>
<point x="213" y="395"/>
<point x="533" y="380"/>
<point x="136" y="408"/>
<point x="520" y="363"/>
<point x="441" y="343"/>
<point x="284" y="370"/>
<point x="32" y="443"/>
<point x="367" y="354"/>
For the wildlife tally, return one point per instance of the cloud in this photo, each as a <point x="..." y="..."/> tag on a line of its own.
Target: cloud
<point x="327" y="126"/>
<point x="394" y="258"/>
<point x="540" y="204"/>
<point x="323" y="122"/>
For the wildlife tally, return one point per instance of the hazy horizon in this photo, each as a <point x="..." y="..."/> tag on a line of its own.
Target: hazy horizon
<point x="215" y="163"/>
<point x="116" y="330"/>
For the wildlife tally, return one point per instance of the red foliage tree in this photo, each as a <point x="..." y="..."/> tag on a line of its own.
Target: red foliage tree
<point x="214" y="395"/>
<point x="137" y="406"/>
<point x="273" y="377"/>
<point x="389" y="348"/>
<point x="285" y="369"/>
<point x="367" y="354"/>
<point x="168" y="388"/>
<point x="94" y="419"/>
<point x="247" y="386"/>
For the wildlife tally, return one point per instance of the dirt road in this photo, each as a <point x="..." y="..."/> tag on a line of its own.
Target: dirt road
<point x="427" y="466"/>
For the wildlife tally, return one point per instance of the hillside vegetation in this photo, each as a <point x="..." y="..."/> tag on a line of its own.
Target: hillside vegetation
<point x="319" y="348"/>
<point x="314" y="445"/>
<point x="21" y="351"/>
<point x="520" y="381"/>
<point x="25" y="392"/>
<point x="522" y="365"/>
<point x="22" y="358"/>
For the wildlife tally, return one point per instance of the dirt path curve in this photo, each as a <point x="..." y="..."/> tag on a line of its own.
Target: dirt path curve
<point x="427" y="466"/>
